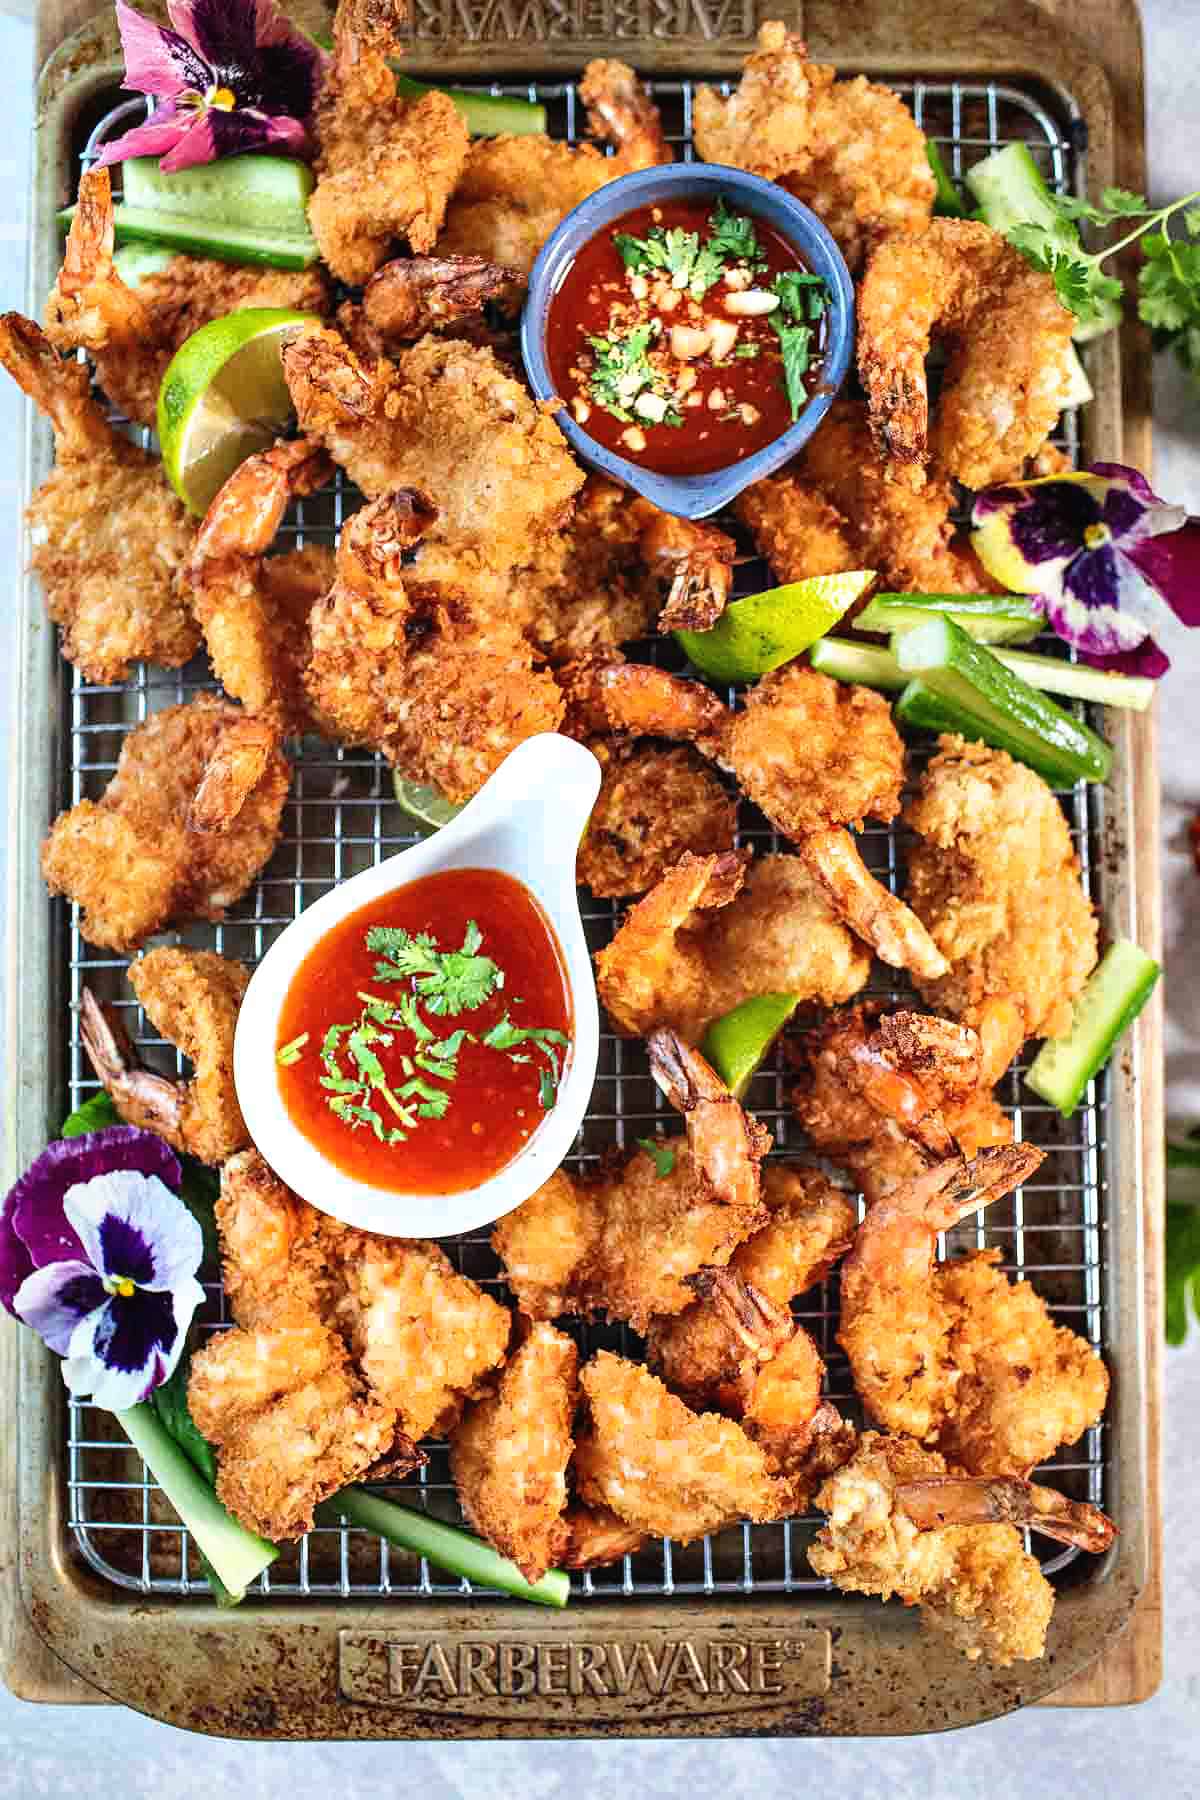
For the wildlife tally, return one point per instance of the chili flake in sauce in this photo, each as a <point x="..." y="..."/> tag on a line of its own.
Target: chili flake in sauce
<point x="419" y="1048"/>
<point x="686" y="338"/>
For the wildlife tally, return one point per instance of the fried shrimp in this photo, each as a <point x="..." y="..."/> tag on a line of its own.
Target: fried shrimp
<point x="416" y="294"/>
<point x="109" y="539"/>
<point x="385" y="166"/>
<point x="653" y="806"/>
<point x="623" y="1241"/>
<point x="186" y="823"/>
<point x="258" y="639"/>
<point x="973" y="1581"/>
<point x="887" y="1097"/>
<point x="424" y="1337"/>
<point x="192" y="998"/>
<point x="607" y="695"/>
<point x="1009" y="336"/>
<point x="621" y="569"/>
<point x="699" y="1352"/>
<point x="710" y="935"/>
<point x="597" y="1537"/>
<point x="290" y="1417"/>
<point x="132" y="334"/>
<point x="955" y="1354"/>
<point x="835" y="508"/>
<point x="509" y="1455"/>
<point x="662" y="1468"/>
<point x="514" y="191"/>
<point x="849" y="149"/>
<point x="446" y="420"/>
<point x="444" y="691"/>
<point x="995" y="878"/>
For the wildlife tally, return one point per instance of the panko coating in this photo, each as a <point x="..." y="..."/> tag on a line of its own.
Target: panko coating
<point x="510" y="1453"/>
<point x="653" y="806"/>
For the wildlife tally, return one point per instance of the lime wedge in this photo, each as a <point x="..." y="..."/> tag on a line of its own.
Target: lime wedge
<point x="427" y="805"/>
<point x="223" y="397"/>
<point x="764" y="630"/>
<point x="737" y="1043"/>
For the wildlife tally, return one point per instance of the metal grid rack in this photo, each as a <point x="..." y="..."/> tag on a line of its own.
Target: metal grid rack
<point x="341" y="818"/>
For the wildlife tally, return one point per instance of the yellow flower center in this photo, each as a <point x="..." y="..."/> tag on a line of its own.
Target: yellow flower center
<point x="121" y="1286"/>
<point x="223" y="98"/>
<point x="1095" y="535"/>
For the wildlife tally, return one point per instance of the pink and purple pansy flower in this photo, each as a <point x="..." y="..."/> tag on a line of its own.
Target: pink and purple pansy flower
<point x="1114" y="568"/>
<point x="98" y="1254"/>
<point x="232" y="75"/>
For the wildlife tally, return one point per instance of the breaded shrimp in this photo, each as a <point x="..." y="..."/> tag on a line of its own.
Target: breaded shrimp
<point x="416" y="294"/>
<point x="697" y="1352"/>
<point x="955" y="1354"/>
<point x="445" y="691"/>
<point x="192" y="998"/>
<point x="726" y="1144"/>
<point x="290" y="1418"/>
<point x="132" y="334"/>
<point x="849" y="149"/>
<point x="888" y="1097"/>
<point x="974" y="1581"/>
<point x="1009" y="335"/>
<point x="186" y="823"/>
<point x="653" y="806"/>
<point x="606" y="694"/>
<point x="514" y="191"/>
<point x="835" y="508"/>
<point x="385" y="166"/>
<point x="995" y="878"/>
<point x="509" y="1455"/>
<point x="258" y="645"/>
<point x="109" y="539"/>
<point x="424" y="1336"/>
<point x="710" y="936"/>
<point x="662" y="1468"/>
<point x="620" y="570"/>
<point x="622" y="1241"/>
<point x="447" y="420"/>
<point x="597" y="1537"/>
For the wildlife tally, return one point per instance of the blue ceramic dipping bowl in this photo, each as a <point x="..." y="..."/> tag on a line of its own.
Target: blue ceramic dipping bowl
<point x="692" y="496"/>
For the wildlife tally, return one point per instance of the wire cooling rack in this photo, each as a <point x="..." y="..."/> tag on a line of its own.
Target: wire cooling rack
<point x="341" y="818"/>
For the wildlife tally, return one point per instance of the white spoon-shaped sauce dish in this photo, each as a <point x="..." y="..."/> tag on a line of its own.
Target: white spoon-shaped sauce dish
<point x="525" y="823"/>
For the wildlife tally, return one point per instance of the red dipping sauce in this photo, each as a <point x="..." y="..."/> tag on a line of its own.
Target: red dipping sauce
<point x="689" y="374"/>
<point x="368" y="1096"/>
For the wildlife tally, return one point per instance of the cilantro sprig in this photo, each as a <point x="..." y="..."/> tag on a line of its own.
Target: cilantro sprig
<point x="447" y="981"/>
<point x="802" y="299"/>
<point x="504" y="1035"/>
<point x="682" y="256"/>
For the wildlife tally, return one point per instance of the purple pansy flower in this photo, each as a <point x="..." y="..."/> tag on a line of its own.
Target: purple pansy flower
<point x="98" y="1254"/>
<point x="1114" y="568"/>
<point x="233" y="75"/>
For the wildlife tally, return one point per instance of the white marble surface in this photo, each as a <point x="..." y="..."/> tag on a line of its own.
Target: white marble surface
<point x="74" y="1753"/>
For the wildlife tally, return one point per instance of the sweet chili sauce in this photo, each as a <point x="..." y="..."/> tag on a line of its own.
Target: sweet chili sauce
<point x="495" y="1100"/>
<point x="728" y="405"/>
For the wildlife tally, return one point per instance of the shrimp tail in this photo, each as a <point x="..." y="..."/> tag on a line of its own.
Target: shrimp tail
<point x="141" y="1097"/>
<point x="941" y="1500"/>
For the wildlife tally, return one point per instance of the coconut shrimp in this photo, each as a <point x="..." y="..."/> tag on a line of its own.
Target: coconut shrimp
<point x="836" y="508"/>
<point x="955" y="1354"/>
<point x="961" y="1562"/>
<point x="186" y="823"/>
<point x="607" y="695"/>
<point x="621" y="569"/>
<point x="192" y="998"/>
<point x="664" y="1469"/>
<point x="653" y="806"/>
<point x="710" y="935"/>
<point x="849" y="149"/>
<point x="596" y="1537"/>
<point x="385" y="166"/>
<point x="444" y="691"/>
<point x="995" y="878"/>
<point x="132" y="334"/>
<point x="109" y="538"/>
<point x="624" y="1240"/>
<point x="886" y="1097"/>
<point x="258" y="646"/>
<point x="509" y="1454"/>
<point x="700" y="1351"/>
<point x="514" y="191"/>
<point x="416" y="294"/>
<point x="1009" y="335"/>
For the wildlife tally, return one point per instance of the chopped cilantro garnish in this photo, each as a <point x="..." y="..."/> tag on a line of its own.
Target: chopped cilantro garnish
<point x="794" y="347"/>
<point x="622" y="371"/>
<point x="504" y="1035"/>
<point x="447" y="981"/>
<point x="289" y="1053"/>
<point x="681" y="255"/>
<point x="664" y="1158"/>
<point x="746" y="350"/>
<point x="801" y="295"/>
<point x="733" y="235"/>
